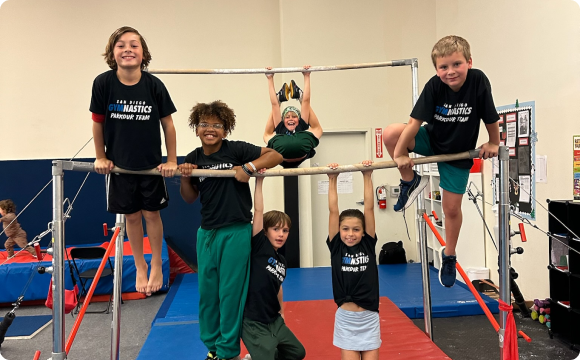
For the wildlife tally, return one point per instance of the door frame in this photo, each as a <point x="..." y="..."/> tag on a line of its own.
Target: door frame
<point x="305" y="196"/>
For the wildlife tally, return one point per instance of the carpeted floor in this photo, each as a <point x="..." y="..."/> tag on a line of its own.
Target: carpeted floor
<point x="473" y="338"/>
<point x="93" y="341"/>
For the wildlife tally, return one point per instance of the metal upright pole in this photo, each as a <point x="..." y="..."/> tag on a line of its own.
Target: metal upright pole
<point x="425" y="272"/>
<point x="422" y="226"/>
<point x="58" y="335"/>
<point x="504" y="239"/>
<point x="118" y="284"/>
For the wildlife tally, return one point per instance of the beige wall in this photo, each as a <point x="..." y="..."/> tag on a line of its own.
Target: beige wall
<point x="50" y="53"/>
<point x="530" y="51"/>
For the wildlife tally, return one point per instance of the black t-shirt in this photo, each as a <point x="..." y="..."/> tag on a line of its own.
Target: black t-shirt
<point x="267" y="273"/>
<point x="355" y="277"/>
<point x="132" y="131"/>
<point x="453" y="117"/>
<point x="224" y="201"/>
<point x="282" y="130"/>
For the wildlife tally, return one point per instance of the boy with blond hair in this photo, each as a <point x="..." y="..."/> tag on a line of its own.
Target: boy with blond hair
<point x="452" y="104"/>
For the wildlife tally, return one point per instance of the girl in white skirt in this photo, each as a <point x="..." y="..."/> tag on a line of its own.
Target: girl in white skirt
<point x="355" y="278"/>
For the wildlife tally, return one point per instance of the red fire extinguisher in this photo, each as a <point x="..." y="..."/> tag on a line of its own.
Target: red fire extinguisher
<point x="381" y="192"/>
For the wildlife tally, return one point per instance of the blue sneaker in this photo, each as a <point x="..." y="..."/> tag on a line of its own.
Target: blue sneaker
<point x="447" y="272"/>
<point x="409" y="191"/>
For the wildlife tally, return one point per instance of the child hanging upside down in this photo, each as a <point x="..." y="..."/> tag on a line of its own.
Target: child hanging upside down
<point x="292" y="132"/>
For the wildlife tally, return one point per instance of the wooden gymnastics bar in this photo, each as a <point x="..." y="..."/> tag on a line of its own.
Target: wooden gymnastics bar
<point x="89" y="167"/>
<point x="403" y="62"/>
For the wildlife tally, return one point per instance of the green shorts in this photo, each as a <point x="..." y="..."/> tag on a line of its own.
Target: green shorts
<point x="452" y="178"/>
<point x="294" y="146"/>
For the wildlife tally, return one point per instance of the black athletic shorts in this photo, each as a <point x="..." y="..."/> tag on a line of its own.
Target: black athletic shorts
<point x="129" y="193"/>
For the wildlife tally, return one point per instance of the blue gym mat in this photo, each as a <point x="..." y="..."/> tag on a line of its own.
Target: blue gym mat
<point x="26" y="327"/>
<point x="178" y="321"/>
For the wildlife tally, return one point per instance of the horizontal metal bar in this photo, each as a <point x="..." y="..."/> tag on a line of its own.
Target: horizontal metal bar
<point x="403" y="62"/>
<point x="88" y="166"/>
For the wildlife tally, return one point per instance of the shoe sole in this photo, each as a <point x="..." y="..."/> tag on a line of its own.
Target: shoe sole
<point x="441" y="265"/>
<point x="422" y="184"/>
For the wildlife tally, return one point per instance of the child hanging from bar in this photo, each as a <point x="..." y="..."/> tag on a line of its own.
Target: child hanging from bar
<point x="223" y="240"/>
<point x="292" y="132"/>
<point x="12" y="229"/>
<point x="452" y="103"/>
<point x="128" y="106"/>
<point x="264" y="331"/>
<point x="355" y="278"/>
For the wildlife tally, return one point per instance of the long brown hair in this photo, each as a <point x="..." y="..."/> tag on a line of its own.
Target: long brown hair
<point x="110" y="57"/>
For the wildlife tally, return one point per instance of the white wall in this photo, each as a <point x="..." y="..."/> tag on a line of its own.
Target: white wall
<point x="50" y="53"/>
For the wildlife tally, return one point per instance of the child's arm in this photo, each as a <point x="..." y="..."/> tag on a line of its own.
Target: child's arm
<point x="102" y="164"/>
<point x="275" y="114"/>
<point x="168" y="169"/>
<point x="258" y="224"/>
<point x="305" y="108"/>
<point x="188" y="191"/>
<point x="369" y="200"/>
<point x="333" y="223"/>
<point x="401" y="155"/>
<point x="491" y="148"/>
<point x="281" y="300"/>
<point x="268" y="159"/>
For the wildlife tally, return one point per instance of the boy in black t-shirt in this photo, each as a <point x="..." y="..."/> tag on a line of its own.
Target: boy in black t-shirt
<point x="452" y="104"/>
<point x="263" y="330"/>
<point x="223" y="240"/>
<point x="128" y="106"/>
<point x="292" y="135"/>
<point x="355" y="278"/>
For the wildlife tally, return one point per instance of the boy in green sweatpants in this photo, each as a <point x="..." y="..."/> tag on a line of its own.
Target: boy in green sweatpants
<point x="223" y="240"/>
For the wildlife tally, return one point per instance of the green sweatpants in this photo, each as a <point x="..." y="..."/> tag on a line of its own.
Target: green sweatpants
<point x="264" y="341"/>
<point x="223" y="259"/>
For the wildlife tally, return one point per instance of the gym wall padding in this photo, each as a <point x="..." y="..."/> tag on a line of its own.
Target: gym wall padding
<point x="21" y="180"/>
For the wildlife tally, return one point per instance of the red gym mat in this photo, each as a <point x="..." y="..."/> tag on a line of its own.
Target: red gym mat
<point x="313" y="324"/>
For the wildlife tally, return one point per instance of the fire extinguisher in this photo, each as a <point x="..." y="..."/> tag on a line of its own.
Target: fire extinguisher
<point x="381" y="192"/>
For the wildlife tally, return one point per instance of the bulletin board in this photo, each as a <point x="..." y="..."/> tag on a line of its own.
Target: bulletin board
<point x="517" y="132"/>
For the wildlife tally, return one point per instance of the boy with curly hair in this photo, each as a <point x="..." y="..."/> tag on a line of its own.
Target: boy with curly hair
<point x="223" y="240"/>
<point x="16" y="236"/>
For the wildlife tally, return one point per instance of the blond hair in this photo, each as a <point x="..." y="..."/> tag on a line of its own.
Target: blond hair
<point x="449" y="45"/>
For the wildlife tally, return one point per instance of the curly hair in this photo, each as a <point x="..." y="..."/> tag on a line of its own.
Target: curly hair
<point x="8" y="206"/>
<point x="448" y="45"/>
<point x="352" y="213"/>
<point x="218" y="109"/>
<point x="109" y="55"/>
<point x="276" y="218"/>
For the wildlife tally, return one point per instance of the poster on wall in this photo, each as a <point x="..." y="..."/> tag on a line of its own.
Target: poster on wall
<point x="576" y="168"/>
<point x="516" y="126"/>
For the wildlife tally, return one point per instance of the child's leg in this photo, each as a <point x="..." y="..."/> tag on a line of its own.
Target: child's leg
<point x="23" y="243"/>
<point x="391" y="136"/>
<point x="451" y="203"/>
<point x="289" y="347"/>
<point x="370" y="355"/>
<point x="259" y="340"/>
<point x="9" y="245"/>
<point x="209" y="301"/>
<point x="315" y="127"/>
<point x="155" y="234"/>
<point x="350" y="355"/>
<point x="134" y="227"/>
<point x="232" y="245"/>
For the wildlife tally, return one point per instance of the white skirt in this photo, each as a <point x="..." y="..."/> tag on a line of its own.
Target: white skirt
<point x="357" y="330"/>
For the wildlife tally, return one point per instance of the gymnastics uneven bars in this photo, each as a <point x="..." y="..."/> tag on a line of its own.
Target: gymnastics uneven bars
<point x="88" y="167"/>
<point x="404" y="62"/>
